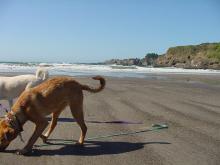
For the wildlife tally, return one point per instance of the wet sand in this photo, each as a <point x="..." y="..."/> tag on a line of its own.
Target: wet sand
<point x="189" y="104"/>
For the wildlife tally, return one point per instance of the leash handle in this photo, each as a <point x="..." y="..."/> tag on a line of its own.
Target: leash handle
<point x="159" y="126"/>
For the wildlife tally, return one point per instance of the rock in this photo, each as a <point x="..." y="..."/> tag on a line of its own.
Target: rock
<point x="203" y="56"/>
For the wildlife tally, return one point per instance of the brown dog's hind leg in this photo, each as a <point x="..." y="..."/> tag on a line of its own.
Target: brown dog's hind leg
<point x="53" y="124"/>
<point x="77" y="112"/>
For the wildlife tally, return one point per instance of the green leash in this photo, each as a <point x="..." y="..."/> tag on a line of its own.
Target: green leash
<point x="154" y="127"/>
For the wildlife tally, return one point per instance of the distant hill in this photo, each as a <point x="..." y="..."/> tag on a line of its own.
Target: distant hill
<point x="203" y="56"/>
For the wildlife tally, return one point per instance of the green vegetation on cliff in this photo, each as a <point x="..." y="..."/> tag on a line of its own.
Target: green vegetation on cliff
<point x="214" y="51"/>
<point x="206" y="55"/>
<point x="210" y="50"/>
<point x="203" y="56"/>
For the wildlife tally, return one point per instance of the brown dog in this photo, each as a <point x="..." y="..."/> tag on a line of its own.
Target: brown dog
<point x="50" y="97"/>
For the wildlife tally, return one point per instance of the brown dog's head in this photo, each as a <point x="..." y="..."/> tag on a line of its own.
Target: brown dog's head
<point x="7" y="134"/>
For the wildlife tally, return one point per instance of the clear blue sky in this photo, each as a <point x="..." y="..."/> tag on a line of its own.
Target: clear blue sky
<point x="97" y="30"/>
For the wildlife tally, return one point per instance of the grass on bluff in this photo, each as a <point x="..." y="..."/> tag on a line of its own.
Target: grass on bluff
<point x="214" y="51"/>
<point x="205" y="50"/>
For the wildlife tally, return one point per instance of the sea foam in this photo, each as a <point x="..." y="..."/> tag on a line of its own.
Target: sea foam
<point x="92" y="69"/>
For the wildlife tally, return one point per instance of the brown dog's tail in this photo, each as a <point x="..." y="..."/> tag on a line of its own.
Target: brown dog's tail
<point x="95" y="90"/>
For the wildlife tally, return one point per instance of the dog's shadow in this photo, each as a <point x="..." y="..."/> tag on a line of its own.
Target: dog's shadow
<point x="92" y="148"/>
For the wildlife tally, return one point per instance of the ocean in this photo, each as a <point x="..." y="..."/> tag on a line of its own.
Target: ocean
<point x="98" y="69"/>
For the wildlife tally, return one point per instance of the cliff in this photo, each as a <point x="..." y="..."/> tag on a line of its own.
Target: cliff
<point x="203" y="56"/>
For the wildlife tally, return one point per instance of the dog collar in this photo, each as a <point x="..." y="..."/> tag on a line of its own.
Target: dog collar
<point x="16" y="119"/>
<point x="14" y="122"/>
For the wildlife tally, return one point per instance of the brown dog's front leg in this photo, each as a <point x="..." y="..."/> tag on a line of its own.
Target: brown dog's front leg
<point x="53" y="124"/>
<point x="40" y="126"/>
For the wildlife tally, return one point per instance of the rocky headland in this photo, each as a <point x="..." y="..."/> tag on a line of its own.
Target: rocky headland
<point x="203" y="56"/>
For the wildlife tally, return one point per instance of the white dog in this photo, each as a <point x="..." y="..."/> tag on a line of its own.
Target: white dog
<point x="12" y="87"/>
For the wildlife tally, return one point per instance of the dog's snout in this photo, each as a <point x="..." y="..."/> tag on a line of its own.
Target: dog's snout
<point x="2" y="148"/>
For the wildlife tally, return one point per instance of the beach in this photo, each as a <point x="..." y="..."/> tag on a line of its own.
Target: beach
<point x="189" y="104"/>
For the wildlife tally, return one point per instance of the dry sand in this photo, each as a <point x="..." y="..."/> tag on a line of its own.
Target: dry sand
<point x="190" y="105"/>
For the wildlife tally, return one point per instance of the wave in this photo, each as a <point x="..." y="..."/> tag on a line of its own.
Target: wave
<point x="123" y="67"/>
<point x="94" y="69"/>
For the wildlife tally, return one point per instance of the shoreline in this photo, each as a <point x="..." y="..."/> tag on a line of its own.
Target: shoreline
<point x="152" y="76"/>
<point x="104" y="70"/>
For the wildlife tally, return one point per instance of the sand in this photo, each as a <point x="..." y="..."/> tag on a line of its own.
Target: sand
<point x="189" y="104"/>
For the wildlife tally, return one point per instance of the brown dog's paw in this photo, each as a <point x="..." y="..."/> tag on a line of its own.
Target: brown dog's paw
<point x="79" y="144"/>
<point x="44" y="138"/>
<point x="23" y="152"/>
